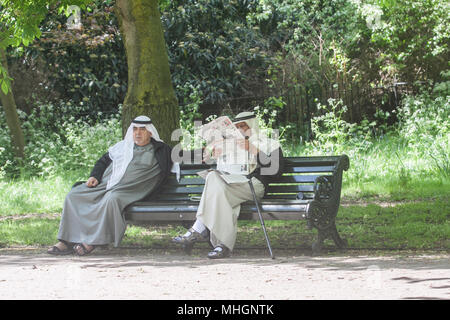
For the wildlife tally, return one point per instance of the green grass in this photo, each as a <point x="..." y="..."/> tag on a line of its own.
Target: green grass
<point x="392" y="189"/>
<point x="32" y="232"/>
<point x="418" y="225"/>
<point x="37" y="194"/>
<point x="414" y="225"/>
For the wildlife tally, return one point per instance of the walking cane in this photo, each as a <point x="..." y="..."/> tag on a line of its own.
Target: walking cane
<point x="260" y="217"/>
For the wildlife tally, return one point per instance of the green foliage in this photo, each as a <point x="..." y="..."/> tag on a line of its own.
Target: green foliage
<point x="189" y="114"/>
<point x="268" y="115"/>
<point x="213" y="49"/>
<point x="310" y="37"/>
<point x="412" y="36"/>
<point x="423" y="118"/>
<point x="424" y="125"/>
<point x="408" y="160"/>
<point x="87" y="67"/>
<point x="232" y="48"/>
<point x="19" y="21"/>
<point x="330" y="129"/>
<point x="57" y="142"/>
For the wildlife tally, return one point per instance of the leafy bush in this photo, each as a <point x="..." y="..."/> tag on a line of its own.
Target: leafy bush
<point x="189" y="113"/>
<point x="213" y="49"/>
<point x="57" y="142"/>
<point x="87" y="67"/>
<point x="311" y="39"/>
<point x="333" y="134"/>
<point x="425" y="126"/>
<point x="422" y="118"/>
<point x="412" y="36"/>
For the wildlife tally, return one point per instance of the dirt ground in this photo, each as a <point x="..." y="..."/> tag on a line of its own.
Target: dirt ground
<point x="133" y="274"/>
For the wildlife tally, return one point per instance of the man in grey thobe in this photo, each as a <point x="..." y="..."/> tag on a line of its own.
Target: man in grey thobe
<point x="130" y="170"/>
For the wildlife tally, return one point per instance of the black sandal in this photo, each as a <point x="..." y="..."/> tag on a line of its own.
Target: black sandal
<point x="84" y="251"/>
<point x="219" y="252"/>
<point x="54" y="250"/>
<point x="193" y="237"/>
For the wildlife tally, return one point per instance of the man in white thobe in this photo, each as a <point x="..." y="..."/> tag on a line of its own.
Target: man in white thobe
<point x="220" y="203"/>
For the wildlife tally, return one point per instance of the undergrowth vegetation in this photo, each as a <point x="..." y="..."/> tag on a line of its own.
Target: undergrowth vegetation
<point x="409" y="160"/>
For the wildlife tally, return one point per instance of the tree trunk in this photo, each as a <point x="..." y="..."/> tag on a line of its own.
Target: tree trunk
<point x="150" y="91"/>
<point x="12" y="118"/>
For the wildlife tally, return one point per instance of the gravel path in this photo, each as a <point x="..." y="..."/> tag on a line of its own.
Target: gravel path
<point x="155" y="274"/>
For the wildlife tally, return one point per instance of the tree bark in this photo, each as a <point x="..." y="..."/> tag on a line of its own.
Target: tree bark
<point x="12" y="118"/>
<point x="150" y="91"/>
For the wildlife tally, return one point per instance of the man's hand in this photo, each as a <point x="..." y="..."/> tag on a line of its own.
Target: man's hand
<point x="217" y="152"/>
<point x="92" y="182"/>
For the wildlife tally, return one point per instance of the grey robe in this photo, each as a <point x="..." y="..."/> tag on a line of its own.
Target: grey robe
<point x="94" y="215"/>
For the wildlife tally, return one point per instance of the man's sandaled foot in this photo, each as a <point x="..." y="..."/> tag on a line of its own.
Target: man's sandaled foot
<point x="219" y="252"/>
<point x="60" y="249"/>
<point x="82" y="249"/>
<point x="190" y="237"/>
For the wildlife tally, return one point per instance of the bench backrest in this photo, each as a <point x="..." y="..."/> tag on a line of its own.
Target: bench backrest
<point x="300" y="174"/>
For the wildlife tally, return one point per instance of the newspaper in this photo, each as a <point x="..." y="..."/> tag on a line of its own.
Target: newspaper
<point x="218" y="129"/>
<point x="222" y="136"/>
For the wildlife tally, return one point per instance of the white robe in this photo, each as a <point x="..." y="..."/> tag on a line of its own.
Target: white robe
<point x="220" y="205"/>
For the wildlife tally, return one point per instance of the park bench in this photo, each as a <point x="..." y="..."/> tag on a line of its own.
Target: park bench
<point x="309" y="188"/>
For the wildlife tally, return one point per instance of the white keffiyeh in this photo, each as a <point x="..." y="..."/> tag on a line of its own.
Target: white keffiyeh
<point x="257" y="136"/>
<point x="122" y="152"/>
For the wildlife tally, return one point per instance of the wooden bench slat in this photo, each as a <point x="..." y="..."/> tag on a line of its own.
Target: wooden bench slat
<point x="292" y="196"/>
<point x="189" y="203"/>
<point x="306" y="161"/>
<point x="287" y="169"/>
<point x="190" y="172"/>
<point x="186" y="197"/>
<point x="298" y="179"/>
<point x="172" y="197"/>
<point x="299" y="161"/>
<point x="182" y="190"/>
<point x="290" y="189"/>
<point x="172" y="181"/>
<point x="186" y="181"/>
<point x="167" y="217"/>
<point x="186" y="210"/>
<point x="309" y="169"/>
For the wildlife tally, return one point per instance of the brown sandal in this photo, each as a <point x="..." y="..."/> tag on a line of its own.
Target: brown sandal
<point x="54" y="250"/>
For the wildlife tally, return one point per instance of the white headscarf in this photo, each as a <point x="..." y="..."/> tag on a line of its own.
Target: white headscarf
<point x="122" y="152"/>
<point x="258" y="138"/>
<point x="250" y="119"/>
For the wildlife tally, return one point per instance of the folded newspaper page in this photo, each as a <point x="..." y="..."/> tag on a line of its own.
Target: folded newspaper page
<point x="234" y="162"/>
<point x="218" y="129"/>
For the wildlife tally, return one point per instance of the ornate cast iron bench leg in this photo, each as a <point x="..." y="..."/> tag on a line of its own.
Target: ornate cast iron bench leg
<point x="340" y="243"/>
<point x="329" y="233"/>
<point x="319" y="217"/>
